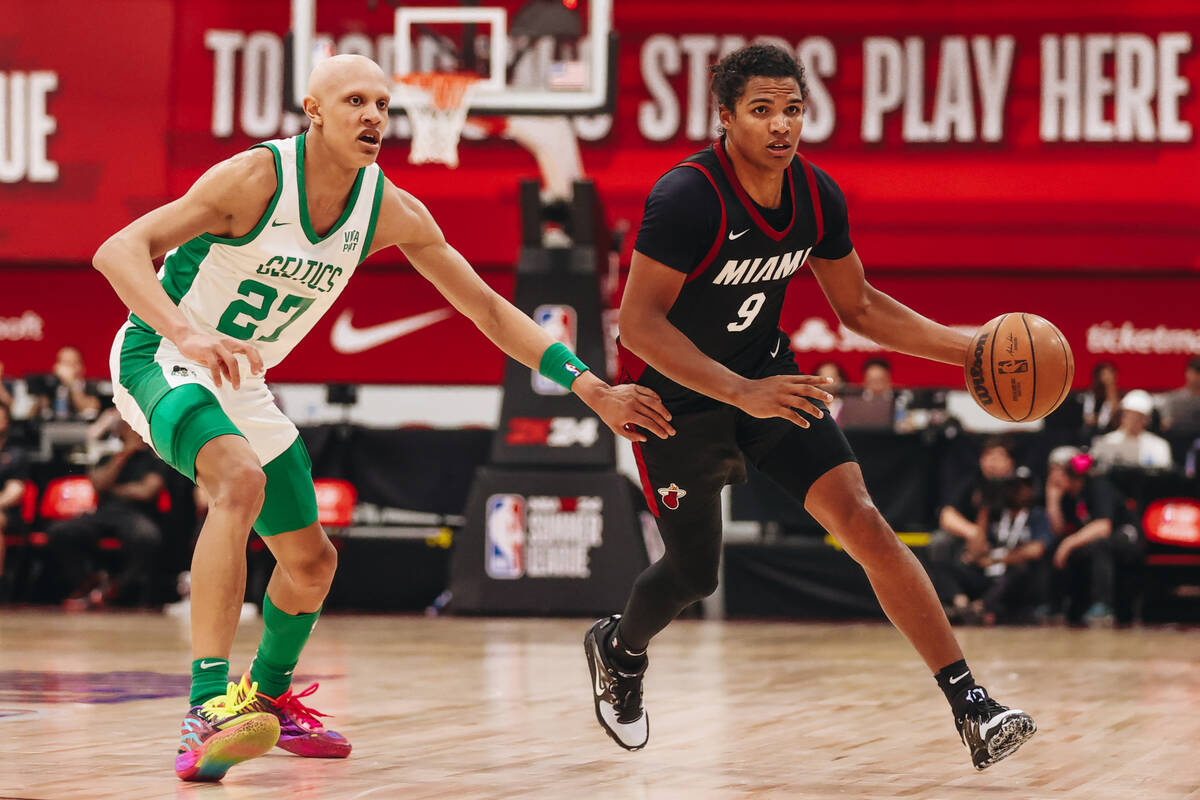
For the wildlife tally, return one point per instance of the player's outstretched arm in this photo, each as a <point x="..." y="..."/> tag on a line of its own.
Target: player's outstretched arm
<point x="228" y="200"/>
<point x="406" y="223"/>
<point x="869" y="312"/>
<point x="649" y="295"/>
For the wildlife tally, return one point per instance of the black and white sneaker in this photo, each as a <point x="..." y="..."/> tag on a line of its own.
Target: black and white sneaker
<point x="617" y="694"/>
<point x="992" y="731"/>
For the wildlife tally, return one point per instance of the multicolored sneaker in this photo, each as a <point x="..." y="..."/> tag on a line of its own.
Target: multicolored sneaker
<point x="300" y="731"/>
<point x="224" y="731"/>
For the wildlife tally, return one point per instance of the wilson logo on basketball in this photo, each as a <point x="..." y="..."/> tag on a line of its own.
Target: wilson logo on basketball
<point x="977" y="383"/>
<point x="671" y="496"/>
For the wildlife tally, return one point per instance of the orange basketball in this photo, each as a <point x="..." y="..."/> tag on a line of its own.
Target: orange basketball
<point x="1019" y="367"/>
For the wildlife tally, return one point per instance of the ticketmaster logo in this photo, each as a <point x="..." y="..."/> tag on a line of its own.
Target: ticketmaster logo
<point x="1108" y="338"/>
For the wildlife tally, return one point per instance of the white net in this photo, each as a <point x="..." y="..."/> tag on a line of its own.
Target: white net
<point x="437" y="104"/>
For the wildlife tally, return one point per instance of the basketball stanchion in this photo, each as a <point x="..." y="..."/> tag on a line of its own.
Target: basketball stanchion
<point x="551" y="526"/>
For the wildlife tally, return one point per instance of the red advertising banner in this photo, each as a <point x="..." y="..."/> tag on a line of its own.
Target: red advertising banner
<point x="84" y="116"/>
<point x="1018" y="136"/>
<point x="391" y="326"/>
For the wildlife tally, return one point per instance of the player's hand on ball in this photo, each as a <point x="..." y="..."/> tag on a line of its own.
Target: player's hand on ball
<point x="782" y="395"/>
<point x="622" y="407"/>
<point x="218" y="353"/>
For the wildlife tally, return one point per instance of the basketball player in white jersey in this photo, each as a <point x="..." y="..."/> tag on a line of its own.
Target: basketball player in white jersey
<point x="256" y="251"/>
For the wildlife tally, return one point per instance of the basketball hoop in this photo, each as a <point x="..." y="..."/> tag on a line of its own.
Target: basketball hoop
<point x="437" y="105"/>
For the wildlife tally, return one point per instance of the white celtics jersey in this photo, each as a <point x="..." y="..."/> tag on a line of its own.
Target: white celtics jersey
<point x="271" y="286"/>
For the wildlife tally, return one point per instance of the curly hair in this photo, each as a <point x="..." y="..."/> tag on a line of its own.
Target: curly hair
<point x="731" y="73"/>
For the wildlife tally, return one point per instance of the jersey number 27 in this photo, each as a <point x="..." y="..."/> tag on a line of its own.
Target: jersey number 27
<point x="265" y="295"/>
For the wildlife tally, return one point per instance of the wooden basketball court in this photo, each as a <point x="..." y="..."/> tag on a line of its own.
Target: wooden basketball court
<point x="499" y="708"/>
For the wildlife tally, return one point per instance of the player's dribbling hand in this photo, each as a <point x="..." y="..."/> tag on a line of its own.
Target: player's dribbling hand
<point x="782" y="395"/>
<point x="622" y="407"/>
<point x="219" y="354"/>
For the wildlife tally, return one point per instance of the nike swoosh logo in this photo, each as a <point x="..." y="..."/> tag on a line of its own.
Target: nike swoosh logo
<point x="733" y="235"/>
<point x="207" y="664"/>
<point x="775" y="352"/>
<point x="600" y="687"/>
<point x="345" y="338"/>
<point x="960" y="677"/>
<point x="275" y="224"/>
<point x="999" y="719"/>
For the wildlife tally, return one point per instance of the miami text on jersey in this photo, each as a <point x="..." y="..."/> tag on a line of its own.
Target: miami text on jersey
<point x="750" y="270"/>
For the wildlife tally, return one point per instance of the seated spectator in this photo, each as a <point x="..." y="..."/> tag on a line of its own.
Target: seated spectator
<point x="14" y="472"/>
<point x="998" y="576"/>
<point x="1094" y="536"/>
<point x="875" y="406"/>
<point x="127" y="484"/>
<point x="65" y="393"/>
<point x="834" y="370"/>
<point x="1101" y="400"/>
<point x="1180" y="408"/>
<point x="1131" y="445"/>
<point x="959" y="518"/>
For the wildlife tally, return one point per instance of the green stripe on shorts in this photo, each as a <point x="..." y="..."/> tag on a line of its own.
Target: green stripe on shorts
<point x="141" y="375"/>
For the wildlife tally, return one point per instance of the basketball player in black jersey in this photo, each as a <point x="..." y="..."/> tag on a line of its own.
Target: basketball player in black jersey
<point x="723" y="233"/>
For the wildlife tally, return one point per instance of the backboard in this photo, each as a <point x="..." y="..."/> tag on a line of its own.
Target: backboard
<point x="533" y="57"/>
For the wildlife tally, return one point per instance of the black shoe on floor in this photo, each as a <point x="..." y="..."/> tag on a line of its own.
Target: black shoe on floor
<point x="992" y="731"/>
<point x="617" y="694"/>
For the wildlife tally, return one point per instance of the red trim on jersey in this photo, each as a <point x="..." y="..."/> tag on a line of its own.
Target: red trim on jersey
<point x="647" y="489"/>
<point x="712" y="252"/>
<point x="814" y="195"/>
<point x="630" y="366"/>
<point x="747" y="203"/>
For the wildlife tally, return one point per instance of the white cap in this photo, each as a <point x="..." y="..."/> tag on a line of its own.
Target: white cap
<point x="1061" y="456"/>
<point x="1139" y="401"/>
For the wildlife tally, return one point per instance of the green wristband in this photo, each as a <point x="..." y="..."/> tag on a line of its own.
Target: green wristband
<point x="560" y="365"/>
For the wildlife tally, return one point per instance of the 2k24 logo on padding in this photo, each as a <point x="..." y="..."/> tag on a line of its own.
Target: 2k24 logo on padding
<point x="671" y="496"/>
<point x="553" y="431"/>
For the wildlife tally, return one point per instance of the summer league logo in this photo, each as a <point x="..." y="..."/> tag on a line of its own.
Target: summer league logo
<point x="541" y="536"/>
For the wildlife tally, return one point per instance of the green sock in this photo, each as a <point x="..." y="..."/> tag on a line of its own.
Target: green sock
<point x="210" y="676"/>
<point x="283" y="638"/>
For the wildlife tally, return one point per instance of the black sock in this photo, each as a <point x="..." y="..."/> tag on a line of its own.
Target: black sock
<point x="625" y="658"/>
<point x="955" y="680"/>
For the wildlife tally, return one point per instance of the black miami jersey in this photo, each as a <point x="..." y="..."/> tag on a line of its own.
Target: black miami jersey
<point x="738" y="257"/>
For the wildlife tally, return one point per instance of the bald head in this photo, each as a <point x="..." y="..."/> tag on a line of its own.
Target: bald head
<point x="338" y="73"/>
<point x="347" y="108"/>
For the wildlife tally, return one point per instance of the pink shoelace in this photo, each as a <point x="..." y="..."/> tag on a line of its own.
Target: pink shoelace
<point x="289" y="703"/>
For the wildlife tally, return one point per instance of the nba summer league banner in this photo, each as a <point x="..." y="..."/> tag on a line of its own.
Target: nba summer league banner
<point x="1034" y="139"/>
<point x="984" y="150"/>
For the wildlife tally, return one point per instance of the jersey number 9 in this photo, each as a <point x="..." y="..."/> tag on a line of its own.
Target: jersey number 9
<point x="748" y="312"/>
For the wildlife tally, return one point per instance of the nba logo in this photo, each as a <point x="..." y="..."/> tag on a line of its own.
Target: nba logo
<point x="504" y="537"/>
<point x="559" y="322"/>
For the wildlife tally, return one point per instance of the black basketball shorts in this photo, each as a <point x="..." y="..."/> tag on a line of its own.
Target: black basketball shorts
<point x="710" y="449"/>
